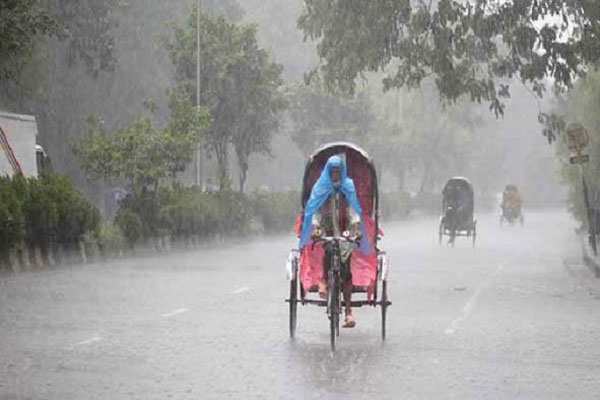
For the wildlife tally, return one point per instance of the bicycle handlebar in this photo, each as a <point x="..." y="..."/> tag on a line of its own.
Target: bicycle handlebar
<point x="332" y="239"/>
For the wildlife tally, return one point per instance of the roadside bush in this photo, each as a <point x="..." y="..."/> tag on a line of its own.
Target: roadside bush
<point x="75" y="215"/>
<point x="111" y="240"/>
<point x="11" y="217"/>
<point x="394" y="205"/>
<point x="187" y="213"/>
<point x="91" y="245"/>
<point x="130" y="223"/>
<point x="44" y="212"/>
<point x="276" y="211"/>
<point x="233" y="210"/>
<point x="40" y="208"/>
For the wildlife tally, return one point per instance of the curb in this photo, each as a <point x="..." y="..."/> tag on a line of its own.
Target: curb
<point x="589" y="258"/>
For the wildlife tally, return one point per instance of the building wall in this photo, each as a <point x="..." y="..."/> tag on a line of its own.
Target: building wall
<point x="21" y="132"/>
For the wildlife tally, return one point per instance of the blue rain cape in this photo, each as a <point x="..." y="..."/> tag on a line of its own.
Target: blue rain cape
<point x="321" y="191"/>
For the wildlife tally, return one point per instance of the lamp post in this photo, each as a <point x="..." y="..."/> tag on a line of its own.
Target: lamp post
<point x="577" y="139"/>
<point x="198" y="99"/>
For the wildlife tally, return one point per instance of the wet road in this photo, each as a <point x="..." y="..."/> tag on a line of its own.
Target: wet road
<point x="518" y="317"/>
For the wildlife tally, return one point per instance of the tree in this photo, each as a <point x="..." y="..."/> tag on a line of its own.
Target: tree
<point x="141" y="153"/>
<point x="582" y="106"/>
<point x="21" y="22"/>
<point x="257" y="80"/>
<point x="239" y="85"/>
<point x="84" y="26"/>
<point x="318" y="117"/>
<point x="470" y="48"/>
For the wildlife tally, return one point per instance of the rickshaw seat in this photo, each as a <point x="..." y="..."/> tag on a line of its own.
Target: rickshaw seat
<point x="363" y="266"/>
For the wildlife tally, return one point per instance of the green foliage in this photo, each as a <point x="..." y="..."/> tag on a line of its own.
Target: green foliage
<point x="40" y="208"/>
<point x="319" y="117"/>
<point x="21" y="23"/>
<point x="111" y="241"/>
<point x="230" y="9"/>
<point x="239" y="85"/>
<point x="89" y="36"/>
<point x="11" y="216"/>
<point x="468" y="48"/>
<point x="76" y="215"/>
<point x="130" y="224"/>
<point x="276" y="211"/>
<point x="184" y="213"/>
<point x="83" y="25"/>
<point x="43" y="212"/>
<point x="583" y="104"/>
<point x="189" y="212"/>
<point x="259" y="102"/>
<point x="141" y="153"/>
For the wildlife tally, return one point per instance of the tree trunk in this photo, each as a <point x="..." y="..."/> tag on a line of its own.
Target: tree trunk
<point x="425" y="178"/>
<point x="222" y="168"/>
<point x="401" y="177"/>
<point x="243" y="176"/>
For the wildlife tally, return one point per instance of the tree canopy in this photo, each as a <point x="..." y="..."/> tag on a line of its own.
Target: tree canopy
<point x="318" y="117"/>
<point x="239" y="85"/>
<point x="141" y="153"/>
<point x="20" y="23"/>
<point x="83" y="25"/>
<point x="470" y="48"/>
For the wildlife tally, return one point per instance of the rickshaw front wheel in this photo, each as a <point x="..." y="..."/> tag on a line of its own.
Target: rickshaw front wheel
<point x="293" y="305"/>
<point x="334" y="319"/>
<point x="384" y="306"/>
<point x="334" y="309"/>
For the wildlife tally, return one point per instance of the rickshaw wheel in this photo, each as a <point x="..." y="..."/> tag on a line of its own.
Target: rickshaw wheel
<point x="333" y="323"/>
<point x="441" y="233"/>
<point x="293" y="305"/>
<point x="334" y="319"/>
<point x="384" y="306"/>
<point x="474" y="233"/>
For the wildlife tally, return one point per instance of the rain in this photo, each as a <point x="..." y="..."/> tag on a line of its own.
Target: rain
<point x="298" y="199"/>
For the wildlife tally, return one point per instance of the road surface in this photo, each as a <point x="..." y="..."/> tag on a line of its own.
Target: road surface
<point x="516" y="318"/>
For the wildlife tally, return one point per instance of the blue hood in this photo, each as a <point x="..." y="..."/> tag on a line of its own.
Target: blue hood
<point x="321" y="191"/>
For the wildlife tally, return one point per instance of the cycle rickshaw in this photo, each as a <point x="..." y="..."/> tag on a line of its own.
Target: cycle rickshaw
<point x="458" y="208"/>
<point x="304" y="268"/>
<point x="512" y="209"/>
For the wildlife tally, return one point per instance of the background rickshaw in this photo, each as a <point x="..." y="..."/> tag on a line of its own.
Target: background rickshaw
<point x="512" y="207"/>
<point x="369" y="271"/>
<point x="458" y="206"/>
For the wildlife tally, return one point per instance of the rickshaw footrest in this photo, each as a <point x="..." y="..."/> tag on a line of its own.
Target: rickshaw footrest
<point x="357" y="303"/>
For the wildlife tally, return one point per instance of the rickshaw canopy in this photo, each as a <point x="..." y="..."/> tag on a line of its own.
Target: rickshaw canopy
<point x="360" y="169"/>
<point x="458" y="191"/>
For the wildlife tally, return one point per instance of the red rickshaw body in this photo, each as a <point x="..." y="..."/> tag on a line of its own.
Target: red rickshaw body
<point x="360" y="168"/>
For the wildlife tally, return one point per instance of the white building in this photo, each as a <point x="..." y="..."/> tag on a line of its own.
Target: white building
<point x="18" y="144"/>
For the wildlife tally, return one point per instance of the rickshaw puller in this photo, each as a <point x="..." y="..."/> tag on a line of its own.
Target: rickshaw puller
<point x="333" y="192"/>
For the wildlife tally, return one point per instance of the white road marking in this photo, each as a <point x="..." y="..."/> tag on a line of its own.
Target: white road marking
<point x="241" y="290"/>
<point x="176" y="312"/>
<point x="88" y="341"/>
<point x="468" y="308"/>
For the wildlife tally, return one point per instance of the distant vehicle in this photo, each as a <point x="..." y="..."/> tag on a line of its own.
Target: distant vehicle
<point x="512" y="206"/>
<point x="458" y="205"/>
<point x="20" y="153"/>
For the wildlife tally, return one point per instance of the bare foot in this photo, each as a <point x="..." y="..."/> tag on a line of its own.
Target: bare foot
<point x="350" y="321"/>
<point x="322" y="290"/>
